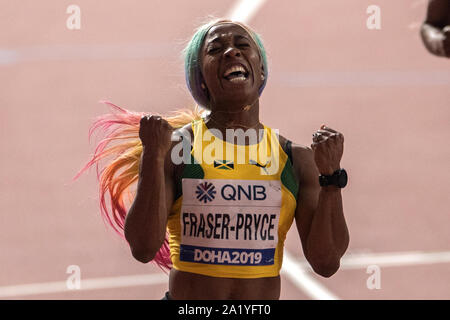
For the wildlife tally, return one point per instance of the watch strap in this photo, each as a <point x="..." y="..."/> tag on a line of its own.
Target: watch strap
<point x="334" y="179"/>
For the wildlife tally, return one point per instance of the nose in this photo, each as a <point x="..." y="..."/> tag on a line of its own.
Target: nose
<point x="232" y="52"/>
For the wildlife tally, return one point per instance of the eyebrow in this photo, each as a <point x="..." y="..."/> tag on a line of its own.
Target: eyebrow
<point x="238" y="36"/>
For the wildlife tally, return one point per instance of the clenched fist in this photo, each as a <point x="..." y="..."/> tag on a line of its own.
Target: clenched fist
<point x="328" y="146"/>
<point x="155" y="134"/>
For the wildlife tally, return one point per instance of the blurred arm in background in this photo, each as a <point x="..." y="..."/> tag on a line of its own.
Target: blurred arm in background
<point x="435" y="30"/>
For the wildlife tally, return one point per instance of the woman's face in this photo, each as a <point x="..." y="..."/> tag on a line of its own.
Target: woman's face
<point x="231" y="67"/>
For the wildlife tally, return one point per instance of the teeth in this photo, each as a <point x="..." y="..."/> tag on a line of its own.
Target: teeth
<point x="238" y="79"/>
<point x="235" y="68"/>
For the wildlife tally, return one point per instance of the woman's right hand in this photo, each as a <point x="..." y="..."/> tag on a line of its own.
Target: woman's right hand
<point x="146" y="220"/>
<point x="155" y="134"/>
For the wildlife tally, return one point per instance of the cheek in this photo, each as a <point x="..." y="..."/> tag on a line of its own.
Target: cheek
<point x="255" y="61"/>
<point x="209" y="70"/>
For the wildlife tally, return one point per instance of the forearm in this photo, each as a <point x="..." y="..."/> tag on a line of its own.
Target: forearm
<point x="433" y="38"/>
<point x="328" y="237"/>
<point x="145" y="224"/>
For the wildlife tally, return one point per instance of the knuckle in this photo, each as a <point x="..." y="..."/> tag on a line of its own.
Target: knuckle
<point x="144" y="119"/>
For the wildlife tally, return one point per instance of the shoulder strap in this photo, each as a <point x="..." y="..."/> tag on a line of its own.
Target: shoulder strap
<point x="288" y="149"/>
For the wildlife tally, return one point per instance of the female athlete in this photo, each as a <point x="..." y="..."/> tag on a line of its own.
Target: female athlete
<point x="217" y="190"/>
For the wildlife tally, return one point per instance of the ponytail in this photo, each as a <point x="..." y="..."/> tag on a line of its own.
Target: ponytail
<point x="121" y="172"/>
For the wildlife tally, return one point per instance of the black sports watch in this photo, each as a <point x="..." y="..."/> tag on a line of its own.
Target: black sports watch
<point x="338" y="178"/>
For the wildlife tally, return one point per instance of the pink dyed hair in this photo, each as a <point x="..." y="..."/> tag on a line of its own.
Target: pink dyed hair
<point x="121" y="172"/>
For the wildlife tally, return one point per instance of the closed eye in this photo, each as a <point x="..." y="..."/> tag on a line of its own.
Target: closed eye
<point x="213" y="49"/>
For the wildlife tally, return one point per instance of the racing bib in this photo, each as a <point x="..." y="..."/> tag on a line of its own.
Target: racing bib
<point x="230" y="222"/>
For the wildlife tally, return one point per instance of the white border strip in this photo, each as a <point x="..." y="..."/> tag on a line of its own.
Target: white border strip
<point x="86" y="284"/>
<point x="244" y="10"/>
<point x="299" y="276"/>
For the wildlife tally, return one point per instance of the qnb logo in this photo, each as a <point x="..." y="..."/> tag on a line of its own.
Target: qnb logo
<point x="240" y="192"/>
<point x="205" y="192"/>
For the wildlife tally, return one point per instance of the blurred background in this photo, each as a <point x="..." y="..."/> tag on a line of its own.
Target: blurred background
<point x="380" y="87"/>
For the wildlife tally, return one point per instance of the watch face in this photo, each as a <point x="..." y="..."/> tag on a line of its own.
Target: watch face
<point x="342" y="178"/>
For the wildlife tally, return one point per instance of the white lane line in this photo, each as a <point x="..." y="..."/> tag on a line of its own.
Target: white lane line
<point x="87" y="52"/>
<point x="396" y="259"/>
<point x="244" y="10"/>
<point x="361" y="78"/>
<point x="390" y="259"/>
<point x="295" y="269"/>
<point x="86" y="284"/>
<point x="8" y="56"/>
<point x="296" y="272"/>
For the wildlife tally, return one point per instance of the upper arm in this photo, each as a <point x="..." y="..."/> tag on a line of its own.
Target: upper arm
<point x="309" y="189"/>
<point x="437" y="13"/>
<point x="173" y="172"/>
<point x="169" y="182"/>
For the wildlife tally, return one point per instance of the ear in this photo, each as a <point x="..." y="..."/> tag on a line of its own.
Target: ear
<point x="202" y="83"/>
<point x="205" y="90"/>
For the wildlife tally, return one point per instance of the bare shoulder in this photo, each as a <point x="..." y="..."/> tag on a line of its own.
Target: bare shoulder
<point x="303" y="160"/>
<point x="300" y="153"/>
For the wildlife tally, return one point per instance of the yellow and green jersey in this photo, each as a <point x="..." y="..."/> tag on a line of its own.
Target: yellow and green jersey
<point x="233" y="208"/>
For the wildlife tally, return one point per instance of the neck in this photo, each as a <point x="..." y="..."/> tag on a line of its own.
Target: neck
<point x="246" y="117"/>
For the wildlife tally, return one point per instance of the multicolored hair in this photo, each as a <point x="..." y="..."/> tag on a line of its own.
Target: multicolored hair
<point x="121" y="147"/>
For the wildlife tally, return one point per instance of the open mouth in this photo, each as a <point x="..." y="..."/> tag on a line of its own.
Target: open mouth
<point x="236" y="73"/>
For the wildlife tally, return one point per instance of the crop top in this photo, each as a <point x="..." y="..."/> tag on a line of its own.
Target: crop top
<point x="234" y="206"/>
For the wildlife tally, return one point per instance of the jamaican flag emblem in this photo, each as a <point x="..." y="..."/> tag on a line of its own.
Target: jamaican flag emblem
<point x="224" y="164"/>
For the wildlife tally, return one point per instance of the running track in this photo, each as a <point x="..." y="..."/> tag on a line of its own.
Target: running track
<point x="381" y="88"/>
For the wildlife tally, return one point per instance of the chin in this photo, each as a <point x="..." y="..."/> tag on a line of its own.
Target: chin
<point x="237" y="103"/>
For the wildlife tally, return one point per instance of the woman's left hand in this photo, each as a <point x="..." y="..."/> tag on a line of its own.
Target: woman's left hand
<point x="328" y="147"/>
